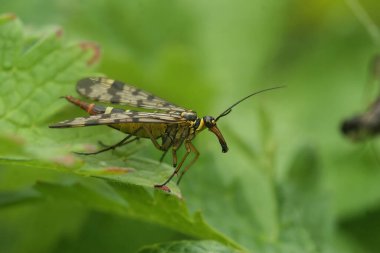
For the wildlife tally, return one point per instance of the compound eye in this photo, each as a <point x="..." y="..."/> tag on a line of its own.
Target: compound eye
<point x="209" y="121"/>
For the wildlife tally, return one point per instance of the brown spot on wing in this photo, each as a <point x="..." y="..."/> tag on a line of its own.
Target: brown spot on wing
<point x="136" y="92"/>
<point x="117" y="85"/>
<point x="84" y="86"/>
<point x="116" y="92"/>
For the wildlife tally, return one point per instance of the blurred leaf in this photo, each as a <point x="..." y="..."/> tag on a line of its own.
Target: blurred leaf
<point x="9" y="198"/>
<point x="188" y="246"/>
<point x="122" y="197"/>
<point x="361" y="230"/>
<point x="114" y="233"/>
<point x="304" y="205"/>
<point x="37" y="226"/>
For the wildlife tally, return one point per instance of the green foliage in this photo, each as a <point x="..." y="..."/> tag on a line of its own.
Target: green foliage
<point x="124" y="193"/>
<point x="188" y="246"/>
<point x="290" y="182"/>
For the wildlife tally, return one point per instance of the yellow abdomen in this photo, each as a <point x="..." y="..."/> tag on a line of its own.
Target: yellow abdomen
<point x="137" y="129"/>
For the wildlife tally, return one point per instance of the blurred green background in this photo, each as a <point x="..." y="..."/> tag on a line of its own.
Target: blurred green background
<point x="290" y="182"/>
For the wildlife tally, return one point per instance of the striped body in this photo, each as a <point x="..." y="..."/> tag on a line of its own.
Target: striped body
<point x="172" y="124"/>
<point x="172" y="134"/>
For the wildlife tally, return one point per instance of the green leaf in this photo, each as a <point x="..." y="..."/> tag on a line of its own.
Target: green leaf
<point x="39" y="69"/>
<point x="118" y="196"/>
<point x="10" y="198"/>
<point x="290" y="182"/>
<point x="360" y="230"/>
<point x="35" y="72"/>
<point x="188" y="246"/>
<point x="304" y="205"/>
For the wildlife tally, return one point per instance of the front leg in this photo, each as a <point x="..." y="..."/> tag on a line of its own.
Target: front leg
<point x="174" y="155"/>
<point x="188" y="147"/>
<point x="191" y="163"/>
<point x="163" y="147"/>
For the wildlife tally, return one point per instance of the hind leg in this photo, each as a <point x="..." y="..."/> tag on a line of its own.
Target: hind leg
<point x="119" y="144"/>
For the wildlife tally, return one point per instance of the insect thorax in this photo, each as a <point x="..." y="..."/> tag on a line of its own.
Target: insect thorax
<point x="171" y="135"/>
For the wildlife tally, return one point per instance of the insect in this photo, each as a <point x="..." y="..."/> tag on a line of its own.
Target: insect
<point x="174" y="125"/>
<point x="366" y="124"/>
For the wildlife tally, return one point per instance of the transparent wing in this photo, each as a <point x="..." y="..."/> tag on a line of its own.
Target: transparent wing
<point x="116" y="92"/>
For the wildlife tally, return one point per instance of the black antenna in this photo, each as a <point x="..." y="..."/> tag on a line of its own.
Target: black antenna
<point x="229" y="109"/>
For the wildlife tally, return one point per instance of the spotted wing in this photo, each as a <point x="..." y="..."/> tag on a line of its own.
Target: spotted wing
<point x="116" y="92"/>
<point x="118" y="118"/>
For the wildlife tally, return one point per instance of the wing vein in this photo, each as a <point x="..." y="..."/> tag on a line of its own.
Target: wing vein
<point x="107" y="90"/>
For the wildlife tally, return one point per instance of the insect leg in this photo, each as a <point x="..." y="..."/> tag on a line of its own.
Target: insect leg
<point x="188" y="150"/>
<point x="191" y="163"/>
<point x="102" y="144"/>
<point x="162" y="147"/>
<point x="168" y="141"/>
<point x="178" y="139"/>
<point x="175" y="147"/>
<point x="174" y="156"/>
<point x="154" y="141"/>
<point x="163" y="156"/>
<point x="119" y="144"/>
